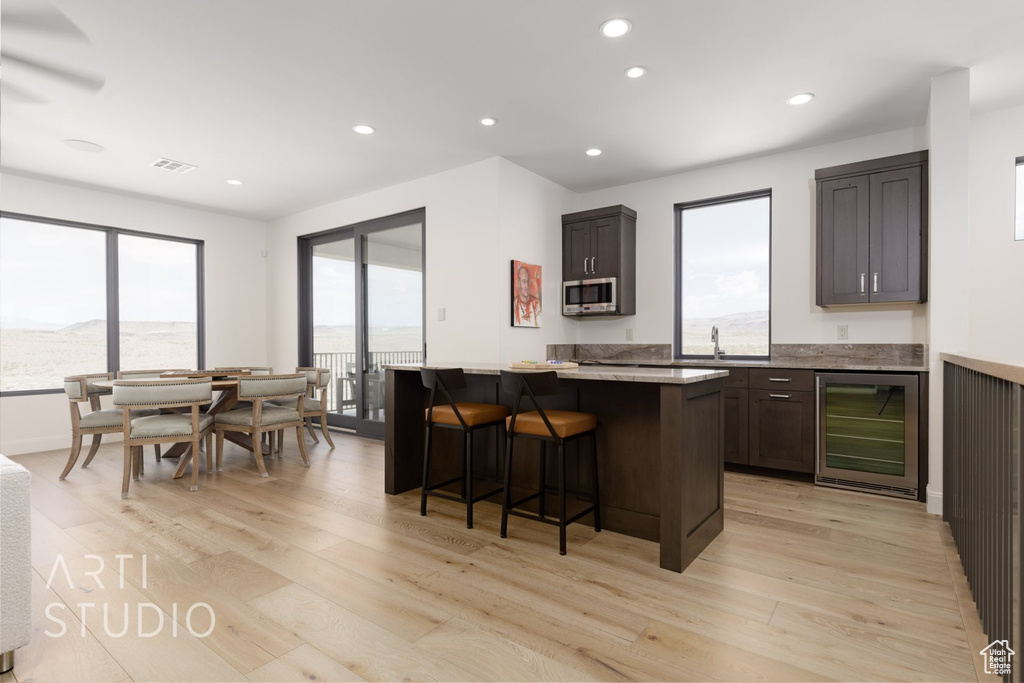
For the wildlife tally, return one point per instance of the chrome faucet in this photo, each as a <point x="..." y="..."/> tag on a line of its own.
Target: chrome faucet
<point x="719" y="352"/>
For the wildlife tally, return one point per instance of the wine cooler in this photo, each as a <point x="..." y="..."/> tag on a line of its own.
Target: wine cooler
<point x="867" y="433"/>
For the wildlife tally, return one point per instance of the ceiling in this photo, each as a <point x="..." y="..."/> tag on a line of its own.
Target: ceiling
<point x="267" y="91"/>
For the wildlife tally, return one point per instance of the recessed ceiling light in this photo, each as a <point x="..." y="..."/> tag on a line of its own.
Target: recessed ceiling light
<point x="801" y="98"/>
<point x="83" y="145"/>
<point x="234" y="182"/>
<point x="488" y="121"/>
<point x="614" y="28"/>
<point x="363" y="129"/>
<point x="635" y="72"/>
<point x="593" y="152"/>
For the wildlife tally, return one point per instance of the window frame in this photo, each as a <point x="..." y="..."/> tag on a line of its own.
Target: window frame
<point x="677" y="299"/>
<point x="112" y="288"/>
<point x="1018" y="208"/>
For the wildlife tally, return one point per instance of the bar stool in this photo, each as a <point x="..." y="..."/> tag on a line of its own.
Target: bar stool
<point x="446" y="413"/>
<point x="548" y="426"/>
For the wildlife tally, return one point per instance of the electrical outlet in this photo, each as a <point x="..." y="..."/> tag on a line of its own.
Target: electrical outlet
<point x="842" y="332"/>
<point x="629" y="334"/>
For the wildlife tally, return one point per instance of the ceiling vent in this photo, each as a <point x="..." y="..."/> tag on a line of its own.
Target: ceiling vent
<point x="176" y="166"/>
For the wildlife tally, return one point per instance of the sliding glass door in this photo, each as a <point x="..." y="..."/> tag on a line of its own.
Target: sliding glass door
<point x="361" y="299"/>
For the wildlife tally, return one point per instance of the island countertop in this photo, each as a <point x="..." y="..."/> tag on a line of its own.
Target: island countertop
<point x="606" y="373"/>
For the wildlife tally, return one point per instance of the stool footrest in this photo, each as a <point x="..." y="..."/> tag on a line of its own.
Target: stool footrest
<point x="460" y="499"/>
<point x="443" y="483"/>
<point x="554" y="521"/>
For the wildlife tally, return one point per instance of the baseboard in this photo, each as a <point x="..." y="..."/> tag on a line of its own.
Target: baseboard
<point x="49" y="443"/>
<point x="934" y="502"/>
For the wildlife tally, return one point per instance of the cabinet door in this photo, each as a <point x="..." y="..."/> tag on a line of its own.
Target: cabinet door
<point x="844" y="235"/>
<point x="782" y="429"/>
<point x="576" y="251"/>
<point x="896" y="235"/>
<point x="604" y="247"/>
<point x="736" y="412"/>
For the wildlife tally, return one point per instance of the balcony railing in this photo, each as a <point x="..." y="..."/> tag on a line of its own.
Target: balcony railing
<point x="343" y="373"/>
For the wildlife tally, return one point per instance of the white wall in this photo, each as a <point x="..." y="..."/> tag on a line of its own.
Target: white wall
<point x="949" y="245"/>
<point x="236" y="312"/>
<point x="997" y="261"/>
<point x="468" y="210"/>
<point x="530" y="211"/>
<point x="790" y="175"/>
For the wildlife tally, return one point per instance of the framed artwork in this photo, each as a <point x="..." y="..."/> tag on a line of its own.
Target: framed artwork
<point x="526" y="289"/>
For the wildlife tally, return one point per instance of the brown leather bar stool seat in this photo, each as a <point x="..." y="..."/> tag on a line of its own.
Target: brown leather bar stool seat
<point x="445" y="412"/>
<point x="555" y="426"/>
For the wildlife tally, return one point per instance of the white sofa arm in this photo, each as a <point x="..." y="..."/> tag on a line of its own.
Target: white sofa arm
<point x="15" y="560"/>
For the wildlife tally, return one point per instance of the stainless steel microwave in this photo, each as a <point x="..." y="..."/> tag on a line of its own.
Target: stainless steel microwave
<point x="590" y="297"/>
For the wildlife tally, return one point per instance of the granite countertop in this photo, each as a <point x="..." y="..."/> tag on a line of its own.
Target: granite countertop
<point x="789" y="363"/>
<point x="859" y="357"/>
<point x="608" y="373"/>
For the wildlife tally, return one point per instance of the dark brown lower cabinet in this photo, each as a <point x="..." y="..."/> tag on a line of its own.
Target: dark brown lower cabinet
<point x="781" y="429"/>
<point x="736" y="413"/>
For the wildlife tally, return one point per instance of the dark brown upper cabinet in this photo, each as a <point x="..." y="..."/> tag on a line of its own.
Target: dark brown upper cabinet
<point x="601" y="243"/>
<point x="872" y="231"/>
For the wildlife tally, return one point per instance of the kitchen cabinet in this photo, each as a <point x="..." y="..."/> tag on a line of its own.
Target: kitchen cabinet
<point x="601" y="243"/>
<point x="872" y="231"/>
<point x="781" y="419"/>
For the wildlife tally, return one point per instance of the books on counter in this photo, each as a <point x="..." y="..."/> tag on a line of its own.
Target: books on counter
<point x="543" y="365"/>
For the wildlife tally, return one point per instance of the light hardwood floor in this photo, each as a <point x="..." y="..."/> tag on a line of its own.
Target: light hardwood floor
<point x="315" y="574"/>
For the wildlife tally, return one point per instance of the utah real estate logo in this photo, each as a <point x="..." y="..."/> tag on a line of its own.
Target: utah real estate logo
<point x="998" y="656"/>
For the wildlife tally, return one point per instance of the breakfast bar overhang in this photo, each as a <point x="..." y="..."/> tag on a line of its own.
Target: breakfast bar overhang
<point x="660" y="445"/>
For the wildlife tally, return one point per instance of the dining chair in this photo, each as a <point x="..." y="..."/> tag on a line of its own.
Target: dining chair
<point x="191" y="426"/>
<point x="99" y="421"/>
<point x="251" y="369"/>
<point x="264" y="417"/>
<point x="314" y="403"/>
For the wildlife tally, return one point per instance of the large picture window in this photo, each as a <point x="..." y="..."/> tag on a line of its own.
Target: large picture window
<point x="77" y="298"/>
<point x="723" y="276"/>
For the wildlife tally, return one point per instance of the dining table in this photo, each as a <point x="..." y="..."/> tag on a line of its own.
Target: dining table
<point x="225" y="385"/>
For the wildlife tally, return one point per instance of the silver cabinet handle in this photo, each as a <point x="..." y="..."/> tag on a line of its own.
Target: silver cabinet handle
<point x="874" y="285"/>
<point x="779" y="379"/>
<point x="585" y="271"/>
<point x="862" y="284"/>
<point x="779" y="395"/>
<point x="593" y="267"/>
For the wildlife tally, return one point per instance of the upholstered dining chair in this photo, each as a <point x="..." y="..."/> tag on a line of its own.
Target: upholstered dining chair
<point x="263" y="417"/>
<point x="315" y="403"/>
<point x="191" y="426"/>
<point x="99" y="421"/>
<point x="251" y="369"/>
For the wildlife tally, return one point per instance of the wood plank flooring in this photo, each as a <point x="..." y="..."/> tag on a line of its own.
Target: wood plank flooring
<point x="315" y="574"/>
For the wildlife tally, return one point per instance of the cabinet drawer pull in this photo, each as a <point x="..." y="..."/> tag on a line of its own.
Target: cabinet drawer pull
<point x="778" y="395"/>
<point x="780" y="379"/>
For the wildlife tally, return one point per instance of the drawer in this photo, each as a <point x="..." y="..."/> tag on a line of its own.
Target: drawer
<point x="738" y="377"/>
<point x="786" y="379"/>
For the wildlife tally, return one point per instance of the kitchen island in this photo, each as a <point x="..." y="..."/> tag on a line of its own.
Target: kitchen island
<point x="660" y="446"/>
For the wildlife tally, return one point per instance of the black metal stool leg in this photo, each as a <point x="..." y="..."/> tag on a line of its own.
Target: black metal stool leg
<point x="506" y="502"/>
<point x="543" y="475"/>
<point x="426" y="472"/>
<point x="597" y="491"/>
<point x="561" y="498"/>
<point x="467" y="446"/>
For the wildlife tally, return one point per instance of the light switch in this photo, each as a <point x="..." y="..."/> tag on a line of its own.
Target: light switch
<point x="440" y="314"/>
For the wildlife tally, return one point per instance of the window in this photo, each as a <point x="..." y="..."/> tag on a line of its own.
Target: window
<point x="78" y="298"/>
<point x="1019" y="230"/>
<point x="723" y="276"/>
